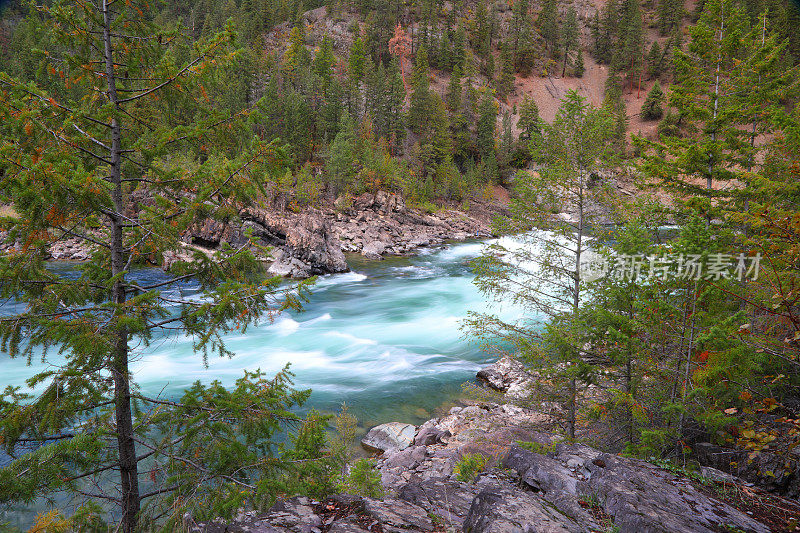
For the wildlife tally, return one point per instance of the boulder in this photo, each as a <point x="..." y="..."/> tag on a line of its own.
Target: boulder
<point x="390" y="436"/>
<point x="446" y="498"/>
<point x="430" y="435"/>
<point x="374" y="249"/>
<point x="778" y="473"/>
<point x="398" y="514"/>
<point x="307" y="243"/>
<point x="295" y="514"/>
<point x="287" y="266"/>
<point x="506" y="375"/>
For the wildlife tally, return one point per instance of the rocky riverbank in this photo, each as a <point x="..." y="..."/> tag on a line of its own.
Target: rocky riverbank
<point x="314" y="240"/>
<point x="532" y="481"/>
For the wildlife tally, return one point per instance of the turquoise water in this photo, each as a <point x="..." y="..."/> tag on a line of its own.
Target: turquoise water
<point x="385" y="338"/>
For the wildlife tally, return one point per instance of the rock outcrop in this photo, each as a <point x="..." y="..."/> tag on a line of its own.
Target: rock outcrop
<point x="390" y="436"/>
<point x="558" y="488"/>
<point x="532" y="481"/>
<point x="313" y="241"/>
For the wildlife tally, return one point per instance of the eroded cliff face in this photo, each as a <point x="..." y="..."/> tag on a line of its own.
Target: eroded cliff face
<point x="314" y="240"/>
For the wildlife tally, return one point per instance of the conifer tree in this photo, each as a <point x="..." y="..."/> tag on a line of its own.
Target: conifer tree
<point x="702" y="93"/>
<point x="297" y="56"/>
<point x="395" y="95"/>
<point x="72" y="162"/>
<point x="570" y="42"/>
<point x="577" y="144"/>
<point x="580" y="68"/>
<point x="670" y="13"/>
<point x="505" y="82"/>
<point x="356" y="61"/>
<point x="421" y="102"/>
<point x="629" y="50"/>
<point x="324" y="61"/>
<point x="487" y="124"/>
<point x="655" y="60"/>
<point x="607" y="32"/>
<point x="651" y="108"/>
<point x="530" y="123"/>
<point x="548" y="26"/>
<point x="341" y="164"/>
<point x="454" y="91"/>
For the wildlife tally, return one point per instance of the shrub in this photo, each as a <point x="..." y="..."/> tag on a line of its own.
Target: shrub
<point x="537" y="447"/>
<point x="469" y="466"/>
<point x="363" y="480"/>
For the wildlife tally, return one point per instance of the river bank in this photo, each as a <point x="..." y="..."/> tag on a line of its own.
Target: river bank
<point x="313" y="240"/>
<point x="527" y="478"/>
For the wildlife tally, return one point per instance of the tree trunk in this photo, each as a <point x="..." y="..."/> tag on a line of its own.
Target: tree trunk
<point x="573" y="386"/>
<point x="129" y="477"/>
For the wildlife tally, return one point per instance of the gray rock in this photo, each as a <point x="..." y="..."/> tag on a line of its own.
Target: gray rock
<point x="644" y="498"/>
<point x="308" y="244"/>
<point x="398" y="513"/>
<point x="287" y="266"/>
<point x="502" y="509"/>
<point x="347" y="526"/>
<point x="391" y="436"/>
<point x="294" y="514"/>
<point x="374" y="249"/>
<point x="442" y="497"/>
<point x="778" y="473"/>
<point x="540" y="473"/>
<point x="430" y="435"/>
<point x="506" y="375"/>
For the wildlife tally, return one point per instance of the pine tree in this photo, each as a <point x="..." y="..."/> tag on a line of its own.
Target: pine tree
<point x="615" y="105"/>
<point x="324" y="60"/>
<point x="569" y="37"/>
<point x="341" y="164"/>
<point x="356" y="61"/>
<point x="573" y="147"/>
<point x="670" y="13"/>
<point x="454" y="91"/>
<point x="393" y="108"/>
<point x="607" y="32"/>
<point x="480" y="40"/>
<point x="297" y="58"/>
<point x="651" y="108"/>
<point x="548" y="26"/>
<point x="421" y="102"/>
<point x="705" y="77"/>
<point x="530" y="123"/>
<point x="580" y="68"/>
<point x="505" y="82"/>
<point x="487" y="124"/>
<point x="71" y="165"/>
<point x="629" y="53"/>
<point x="655" y="60"/>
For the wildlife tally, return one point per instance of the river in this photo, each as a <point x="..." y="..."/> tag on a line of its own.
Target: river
<point x="386" y="338"/>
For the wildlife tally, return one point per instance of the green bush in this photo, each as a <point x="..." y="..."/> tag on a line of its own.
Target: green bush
<point x="469" y="466"/>
<point x="537" y="447"/>
<point x="363" y="480"/>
